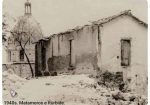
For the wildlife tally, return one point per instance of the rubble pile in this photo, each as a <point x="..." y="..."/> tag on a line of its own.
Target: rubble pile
<point x="116" y="97"/>
<point x="109" y="79"/>
<point x="117" y="91"/>
<point x="120" y="98"/>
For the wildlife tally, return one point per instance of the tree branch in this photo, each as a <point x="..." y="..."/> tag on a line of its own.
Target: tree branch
<point x="26" y="42"/>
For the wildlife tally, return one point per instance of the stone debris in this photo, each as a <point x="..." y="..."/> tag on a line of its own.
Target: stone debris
<point x="70" y="89"/>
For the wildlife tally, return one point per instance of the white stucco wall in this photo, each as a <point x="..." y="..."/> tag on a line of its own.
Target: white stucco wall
<point x="83" y="48"/>
<point x="111" y="35"/>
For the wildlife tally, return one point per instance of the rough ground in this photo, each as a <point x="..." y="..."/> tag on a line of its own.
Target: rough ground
<point x="70" y="89"/>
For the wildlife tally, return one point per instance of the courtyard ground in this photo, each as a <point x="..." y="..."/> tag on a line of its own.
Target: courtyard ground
<point x="70" y="89"/>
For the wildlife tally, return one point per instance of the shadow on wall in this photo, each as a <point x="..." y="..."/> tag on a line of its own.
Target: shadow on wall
<point x="58" y="63"/>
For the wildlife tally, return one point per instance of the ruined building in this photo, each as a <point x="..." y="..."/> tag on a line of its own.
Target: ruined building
<point x="117" y="44"/>
<point x="16" y="58"/>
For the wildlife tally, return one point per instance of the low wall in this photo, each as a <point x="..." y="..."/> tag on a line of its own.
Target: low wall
<point x="22" y="70"/>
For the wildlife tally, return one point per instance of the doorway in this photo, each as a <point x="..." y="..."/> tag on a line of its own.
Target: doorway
<point x="70" y="53"/>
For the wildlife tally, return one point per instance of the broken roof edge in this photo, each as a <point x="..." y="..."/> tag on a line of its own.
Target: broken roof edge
<point x="123" y="13"/>
<point x="98" y="22"/>
<point x="65" y="32"/>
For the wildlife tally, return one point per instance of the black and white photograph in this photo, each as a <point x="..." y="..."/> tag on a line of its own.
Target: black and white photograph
<point x="75" y="52"/>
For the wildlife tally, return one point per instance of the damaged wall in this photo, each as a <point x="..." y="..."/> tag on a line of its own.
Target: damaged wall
<point x="86" y="52"/>
<point x="70" y="50"/>
<point x="111" y="34"/>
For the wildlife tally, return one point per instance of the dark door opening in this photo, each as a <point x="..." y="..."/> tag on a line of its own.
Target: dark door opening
<point x="40" y="58"/>
<point x="70" y="53"/>
<point x="43" y="58"/>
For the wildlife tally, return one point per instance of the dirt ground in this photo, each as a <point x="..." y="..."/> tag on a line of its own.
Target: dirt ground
<point x="68" y="89"/>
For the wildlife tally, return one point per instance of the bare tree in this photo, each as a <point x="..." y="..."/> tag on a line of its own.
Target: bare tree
<point x="4" y="28"/>
<point x="23" y="33"/>
<point x="7" y="22"/>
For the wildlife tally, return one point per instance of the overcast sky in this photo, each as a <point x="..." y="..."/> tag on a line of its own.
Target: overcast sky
<point x="59" y="15"/>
